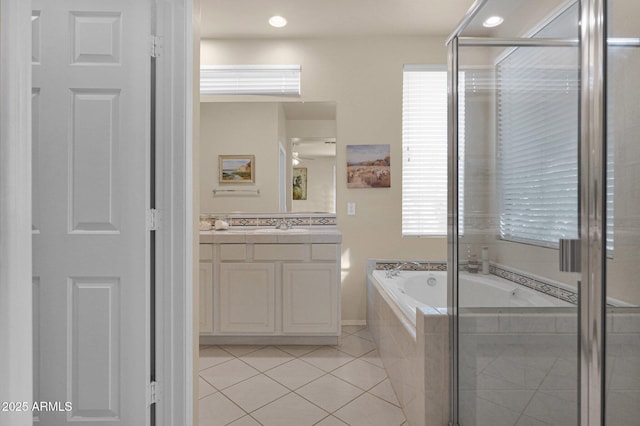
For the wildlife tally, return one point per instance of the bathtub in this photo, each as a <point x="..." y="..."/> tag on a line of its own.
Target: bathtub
<point x="407" y="315"/>
<point x="413" y="289"/>
<point x="491" y="291"/>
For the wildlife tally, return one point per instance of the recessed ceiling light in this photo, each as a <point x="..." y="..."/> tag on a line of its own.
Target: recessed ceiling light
<point x="493" y="21"/>
<point x="277" y="21"/>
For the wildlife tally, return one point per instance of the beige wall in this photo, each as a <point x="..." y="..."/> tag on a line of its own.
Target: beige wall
<point x="364" y="77"/>
<point x="311" y="128"/>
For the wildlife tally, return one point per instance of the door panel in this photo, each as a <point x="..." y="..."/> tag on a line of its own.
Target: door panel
<point x="247" y="297"/>
<point x="93" y="153"/>
<point x="91" y="79"/>
<point x="517" y="329"/>
<point x="310" y="302"/>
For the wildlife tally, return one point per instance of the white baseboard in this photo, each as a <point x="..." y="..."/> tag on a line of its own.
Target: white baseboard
<point x="354" y="322"/>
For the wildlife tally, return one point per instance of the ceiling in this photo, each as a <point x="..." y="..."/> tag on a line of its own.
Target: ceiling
<point x="330" y="18"/>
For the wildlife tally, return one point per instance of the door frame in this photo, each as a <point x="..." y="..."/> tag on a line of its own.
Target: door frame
<point x="174" y="192"/>
<point x="16" y="362"/>
<point x="174" y="301"/>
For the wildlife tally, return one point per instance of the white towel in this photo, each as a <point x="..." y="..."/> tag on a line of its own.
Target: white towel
<point x="221" y="225"/>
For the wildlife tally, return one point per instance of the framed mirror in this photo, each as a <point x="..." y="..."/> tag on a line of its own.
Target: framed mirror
<point x="293" y="151"/>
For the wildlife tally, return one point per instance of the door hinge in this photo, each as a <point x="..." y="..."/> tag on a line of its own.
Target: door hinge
<point x="153" y="220"/>
<point x="155" y="44"/>
<point x="153" y="393"/>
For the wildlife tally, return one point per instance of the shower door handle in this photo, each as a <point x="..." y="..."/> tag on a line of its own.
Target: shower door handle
<point x="570" y="256"/>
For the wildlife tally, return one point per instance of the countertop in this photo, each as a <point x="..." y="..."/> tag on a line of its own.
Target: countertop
<point x="320" y="235"/>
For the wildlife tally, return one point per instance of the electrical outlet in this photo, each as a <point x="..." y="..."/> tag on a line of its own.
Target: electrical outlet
<point x="351" y="209"/>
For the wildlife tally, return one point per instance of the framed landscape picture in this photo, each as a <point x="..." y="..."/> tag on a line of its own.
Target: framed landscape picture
<point x="299" y="191"/>
<point x="368" y="166"/>
<point x="236" y="169"/>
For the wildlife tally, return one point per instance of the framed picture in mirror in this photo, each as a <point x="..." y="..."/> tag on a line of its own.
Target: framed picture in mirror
<point x="236" y="169"/>
<point x="299" y="191"/>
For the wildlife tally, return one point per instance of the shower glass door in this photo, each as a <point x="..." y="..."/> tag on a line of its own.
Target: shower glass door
<point x="517" y="312"/>
<point x="622" y="362"/>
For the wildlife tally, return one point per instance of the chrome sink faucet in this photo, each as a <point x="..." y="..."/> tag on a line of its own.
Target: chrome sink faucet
<point x="399" y="267"/>
<point x="283" y="224"/>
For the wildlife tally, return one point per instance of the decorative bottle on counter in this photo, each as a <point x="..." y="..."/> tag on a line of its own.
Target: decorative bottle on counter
<point x="473" y="266"/>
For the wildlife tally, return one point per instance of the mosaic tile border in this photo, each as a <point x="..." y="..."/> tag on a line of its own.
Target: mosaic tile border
<point x="424" y="265"/>
<point x="548" y="287"/>
<point x="296" y="219"/>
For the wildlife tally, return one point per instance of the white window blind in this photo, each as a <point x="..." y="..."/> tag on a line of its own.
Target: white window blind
<point x="424" y="150"/>
<point x="250" y="80"/>
<point x="538" y="141"/>
<point x="538" y="147"/>
<point x="537" y="144"/>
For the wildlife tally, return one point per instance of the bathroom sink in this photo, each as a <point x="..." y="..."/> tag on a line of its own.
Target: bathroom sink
<point x="281" y="231"/>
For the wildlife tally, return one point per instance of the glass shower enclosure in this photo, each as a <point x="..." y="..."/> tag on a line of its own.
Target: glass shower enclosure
<point x="545" y="252"/>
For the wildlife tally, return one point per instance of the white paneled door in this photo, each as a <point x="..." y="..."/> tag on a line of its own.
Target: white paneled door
<point x="91" y="110"/>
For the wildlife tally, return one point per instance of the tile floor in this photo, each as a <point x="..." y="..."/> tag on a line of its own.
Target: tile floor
<point x="298" y="385"/>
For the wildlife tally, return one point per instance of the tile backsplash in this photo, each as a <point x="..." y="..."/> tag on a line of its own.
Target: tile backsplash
<point x="265" y="220"/>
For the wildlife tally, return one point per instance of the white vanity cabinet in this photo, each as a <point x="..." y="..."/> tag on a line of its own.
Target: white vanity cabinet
<point x="276" y="289"/>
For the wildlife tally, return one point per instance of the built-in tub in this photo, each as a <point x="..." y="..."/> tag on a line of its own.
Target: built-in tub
<point x="412" y="289"/>
<point x="407" y="315"/>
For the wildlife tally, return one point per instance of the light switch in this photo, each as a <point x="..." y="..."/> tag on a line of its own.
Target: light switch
<point x="351" y="209"/>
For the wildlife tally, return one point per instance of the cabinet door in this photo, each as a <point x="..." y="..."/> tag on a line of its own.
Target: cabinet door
<point x="247" y="297"/>
<point x="206" y="301"/>
<point x="310" y="298"/>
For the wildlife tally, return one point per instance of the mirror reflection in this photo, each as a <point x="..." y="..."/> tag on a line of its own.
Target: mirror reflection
<point x="293" y="147"/>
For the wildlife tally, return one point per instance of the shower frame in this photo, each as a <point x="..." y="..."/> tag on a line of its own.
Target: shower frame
<point x="592" y="166"/>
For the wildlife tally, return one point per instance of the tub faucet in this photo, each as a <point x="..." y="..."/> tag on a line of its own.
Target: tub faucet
<point x="399" y="267"/>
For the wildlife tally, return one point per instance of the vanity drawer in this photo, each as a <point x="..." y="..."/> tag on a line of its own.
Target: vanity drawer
<point x="324" y="252"/>
<point x="280" y="251"/>
<point x="233" y="251"/>
<point x="206" y="251"/>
